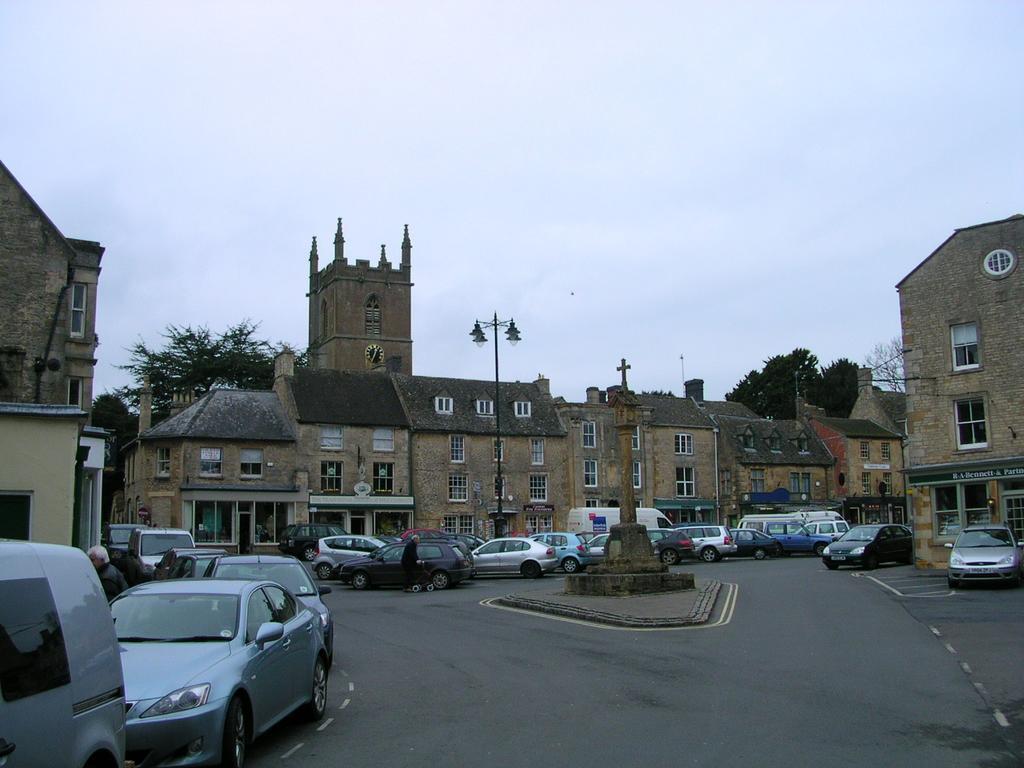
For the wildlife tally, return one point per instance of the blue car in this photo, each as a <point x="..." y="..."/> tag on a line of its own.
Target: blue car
<point x="794" y="537"/>
<point x="572" y="550"/>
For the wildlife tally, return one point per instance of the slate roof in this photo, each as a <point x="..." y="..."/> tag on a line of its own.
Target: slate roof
<point x="352" y="398"/>
<point x="894" y="404"/>
<point x="858" y="428"/>
<point x="228" y="414"/>
<point x="728" y="408"/>
<point x="788" y="429"/>
<point x="418" y="393"/>
<point x="668" y="410"/>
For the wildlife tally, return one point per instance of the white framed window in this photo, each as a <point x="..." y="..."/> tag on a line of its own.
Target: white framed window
<point x="331" y="473"/>
<point x="636" y="438"/>
<point x="332" y="437"/>
<point x="484" y="407"/>
<point x="163" y="462"/>
<point x="79" y="295"/>
<point x="999" y="263"/>
<point x="499" y="450"/>
<point x="444" y="405"/>
<point x="538" y="487"/>
<point x="384" y="439"/>
<point x="757" y="481"/>
<point x="865" y="449"/>
<point x="592" y="503"/>
<point x="685" y="485"/>
<point x="886" y="451"/>
<point x="457" y="448"/>
<point x="865" y="483"/>
<point x="538" y="524"/>
<point x="970" y="424"/>
<point x="251" y="462"/>
<point x="684" y="444"/>
<point x="590" y="473"/>
<point x="383" y="477"/>
<point x="537" y="450"/>
<point x="523" y="408"/>
<point x="211" y="462"/>
<point x="887" y="481"/>
<point x="75" y="392"/>
<point x="964" y="338"/>
<point x="636" y="475"/>
<point x="457" y="524"/>
<point x="590" y="434"/>
<point x="458" y="488"/>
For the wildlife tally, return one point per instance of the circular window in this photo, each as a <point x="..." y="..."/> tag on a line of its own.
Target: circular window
<point x="999" y="263"/>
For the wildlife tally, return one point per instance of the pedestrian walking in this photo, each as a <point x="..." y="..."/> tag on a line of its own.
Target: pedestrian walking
<point x="411" y="561"/>
<point x="112" y="579"/>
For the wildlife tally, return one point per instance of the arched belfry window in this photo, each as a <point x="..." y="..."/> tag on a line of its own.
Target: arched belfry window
<point x="323" y="319"/>
<point x="372" y="312"/>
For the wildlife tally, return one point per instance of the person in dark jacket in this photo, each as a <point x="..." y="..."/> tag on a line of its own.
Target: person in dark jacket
<point x="411" y="561"/>
<point x="112" y="579"/>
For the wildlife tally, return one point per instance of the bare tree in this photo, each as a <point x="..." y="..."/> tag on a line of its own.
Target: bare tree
<point x="886" y="364"/>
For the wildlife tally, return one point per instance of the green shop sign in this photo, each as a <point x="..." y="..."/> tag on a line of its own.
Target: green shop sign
<point x="967" y="475"/>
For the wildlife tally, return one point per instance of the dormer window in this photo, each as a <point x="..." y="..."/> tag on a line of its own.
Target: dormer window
<point x="747" y="439"/>
<point x="523" y="408"/>
<point x="801" y="443"/>
<point x="484" y="407"/>
<point x="775" y="442"/>
<point x="443" y="405"/>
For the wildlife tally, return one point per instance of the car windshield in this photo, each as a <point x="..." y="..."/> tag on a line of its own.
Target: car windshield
<point x="861" y="533"/>
<point x="120" y="535"/>
<point x="158" y="543"/>
<point x="993" y="538"/>
<point x="140" y="618"/>
<point x="291" y="576"/>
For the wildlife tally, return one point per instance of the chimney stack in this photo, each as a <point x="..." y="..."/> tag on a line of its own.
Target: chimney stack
<point x="864" y="379"/>
<point x="543" y="384"/>
<point x="593" y="395"/>
<point x="695" y="389"/>
<point x="180" y="401"/>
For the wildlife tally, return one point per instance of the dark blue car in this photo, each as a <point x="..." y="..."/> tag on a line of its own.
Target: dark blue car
<point x="794" y="537"/>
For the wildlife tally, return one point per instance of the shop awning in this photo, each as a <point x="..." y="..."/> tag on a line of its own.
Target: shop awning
<point x="320" y="502"/>
<point x="966" y="471"/>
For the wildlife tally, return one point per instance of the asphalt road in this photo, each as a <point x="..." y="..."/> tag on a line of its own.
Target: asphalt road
<point x="813" y="668"/>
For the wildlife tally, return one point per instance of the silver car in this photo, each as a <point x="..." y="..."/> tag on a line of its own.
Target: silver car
<point x="597" y="544"/>
<point x="332" y="551"/>
<point x="210" y="664"/>
<point x="515" y="555"/>
<point x="985" y="553"/>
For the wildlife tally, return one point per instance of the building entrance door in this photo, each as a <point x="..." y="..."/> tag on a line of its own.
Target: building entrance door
<point x="15" y="510"/>
<point x="244" y="531"/>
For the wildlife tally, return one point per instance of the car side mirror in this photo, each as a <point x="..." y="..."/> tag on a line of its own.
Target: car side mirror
<point x="325" y="590"/>
<point x="269" y="632"/>
<point x="948" y="545"/>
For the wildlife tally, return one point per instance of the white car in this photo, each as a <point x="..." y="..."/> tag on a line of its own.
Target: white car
<point x="515" y="555"/>
<point x="333" y="551"/>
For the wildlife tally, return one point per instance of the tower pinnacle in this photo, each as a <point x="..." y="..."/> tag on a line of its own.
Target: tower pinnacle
<point x="339" y="243"/>
<point x="406" y="248"/>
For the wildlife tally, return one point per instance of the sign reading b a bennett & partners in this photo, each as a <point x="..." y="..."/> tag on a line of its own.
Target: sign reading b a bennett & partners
<point x="967" y="475"/>
<point x="989" y="474"/>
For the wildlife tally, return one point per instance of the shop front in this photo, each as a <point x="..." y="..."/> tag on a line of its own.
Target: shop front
<point x="243" y="521"/>
<point x="869" y="510"/>
<point x="689" y="510"/>
<point x="947" y="498"/>
<point x="364" y="514"/>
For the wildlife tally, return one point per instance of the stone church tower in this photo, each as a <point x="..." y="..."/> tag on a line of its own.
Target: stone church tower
<point x="360" y="316"/>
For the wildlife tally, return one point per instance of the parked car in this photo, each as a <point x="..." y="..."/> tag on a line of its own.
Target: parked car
<point x="435" y="532"/>
<point x="287" y="571"/>
<point x="657" y="534"/>
<point x="147" y="545"/>
<point x="710" y="542"/>
<point x="205" y="667"/>
<point x="794" y="537"/>
<point x="335" y="550"/>
<point x="515" y="555"/>
<point x="446" y="564"/>
<point x="182" y="561"/>
<point x="833" y="528"/>
<point x="596" y="545"/>
<point x="676" y="545"/>
<point x="115" y="537"/>
<point x="752" y="543"/>
<point x="301" y="540"/>
<point x="571" y="550"/>
<point x="60" y="670"/>
<point x="869" y="545"/>
<point x="985" y="553"/>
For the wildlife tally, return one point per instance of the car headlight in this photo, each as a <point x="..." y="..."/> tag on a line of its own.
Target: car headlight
<point x="1008" y="560"/>
<point x="323" y="620"/>
<point x="955" y="559"/>
<point x="179" y="701"/>
<point x="857" y="551"/>
<point x="826" y="550"/>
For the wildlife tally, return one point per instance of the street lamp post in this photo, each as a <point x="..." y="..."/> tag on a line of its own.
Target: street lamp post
<point x="512" y="334"/>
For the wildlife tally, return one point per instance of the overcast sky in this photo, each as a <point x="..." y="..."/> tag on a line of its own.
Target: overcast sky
<point x="722" y="181"/>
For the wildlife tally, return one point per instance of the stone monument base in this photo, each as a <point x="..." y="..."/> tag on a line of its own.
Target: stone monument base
<point x="630" y="568"/>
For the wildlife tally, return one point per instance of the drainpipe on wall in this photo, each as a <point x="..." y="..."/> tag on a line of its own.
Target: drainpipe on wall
<point x="718" y="484"/>
<point x="43" y="362"/>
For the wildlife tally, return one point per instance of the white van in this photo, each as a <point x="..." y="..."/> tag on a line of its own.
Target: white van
<point x="62" y="699"/>
<point x="601" y="519"/>
<point x="758" y="522"/>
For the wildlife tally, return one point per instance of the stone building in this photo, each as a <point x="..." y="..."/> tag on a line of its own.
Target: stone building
<point x="887" y="409"/>
<point x="48" y="302"/>
<point x="962" y="322"/>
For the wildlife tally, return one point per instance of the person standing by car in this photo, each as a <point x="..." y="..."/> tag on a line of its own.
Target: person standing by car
<point x="410" y="560"/>
<point x="112" y="579"/>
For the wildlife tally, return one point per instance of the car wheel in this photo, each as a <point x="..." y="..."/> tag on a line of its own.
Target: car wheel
<point x="441" y="580"/>
<point x="317" y="705"/>
<point x="309" y="553"/>
<point x="819" y="548"/>
<point x="531" y="570"/>
<point x="952" y="583"/>
<point x="236" y="735"/>
<point x="570" y="565"/>
<point x="709" y="554"/>
<point x="870" y="562"/>
<point x="360" y="580"/>
<point x="323" y="571"/>
<point x="669" y="556"/>
<point x="830" y="565"/>
<point x="760" y="554"/>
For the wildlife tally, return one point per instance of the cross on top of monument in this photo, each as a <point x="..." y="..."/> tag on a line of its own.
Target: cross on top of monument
<point x="624" y="367"/>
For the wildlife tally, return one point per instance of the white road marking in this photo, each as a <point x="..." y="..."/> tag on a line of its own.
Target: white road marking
<point x="345" y="703"/>
<point x="943" y="592"/>
<point x="950" y="648"/>
<point x="965" y="667"/>
<point x="1001" y="719"/>
<point x="293" y="750"/>
<point x="351" y="687"/>
<point x="327" y="722"/>
<point x="935" y="632"/>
